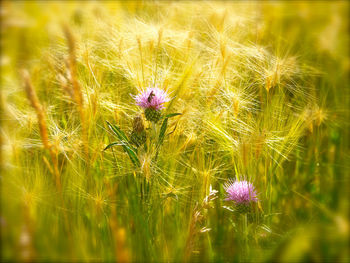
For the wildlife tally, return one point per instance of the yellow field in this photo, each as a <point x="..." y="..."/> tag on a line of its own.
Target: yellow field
<point x="258" y="91"/>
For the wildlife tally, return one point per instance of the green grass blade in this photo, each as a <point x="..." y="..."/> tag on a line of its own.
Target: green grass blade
<point x="130" y="150"/>
<point x="111" y="145"/>
<point x="164" y="127"/>
<point x="117" y="131"/>
<point x="172" y="115"/>
<point x="162" y="131"/>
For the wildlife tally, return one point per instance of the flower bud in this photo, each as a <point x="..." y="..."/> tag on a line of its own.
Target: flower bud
<point x="138" y="134"/>
<point x="153" y="115"/>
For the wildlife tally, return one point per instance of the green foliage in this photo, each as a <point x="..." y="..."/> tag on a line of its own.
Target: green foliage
<point x="124" y="142"/>
<point x="164" y="127"/>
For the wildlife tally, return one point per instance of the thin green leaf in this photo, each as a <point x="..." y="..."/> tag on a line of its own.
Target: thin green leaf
<point x="164" y="127"/>
<point x="128" y="148"/>
<point x="132" y="155"/>
<point x="120" y="134"/>
<point x="172" y="115"/>
<point x="112" y="144"/>
<point x="162" y="131"/>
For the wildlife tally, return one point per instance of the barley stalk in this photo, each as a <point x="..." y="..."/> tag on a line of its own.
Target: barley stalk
<point x="77" y="92"/>
<point x="40" y="113"/>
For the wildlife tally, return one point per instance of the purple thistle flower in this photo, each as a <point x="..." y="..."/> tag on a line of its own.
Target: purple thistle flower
<point x="152" y="98"/>
<point x="240" y="192"/>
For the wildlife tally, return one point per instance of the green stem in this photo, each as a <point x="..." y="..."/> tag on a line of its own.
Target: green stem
<point x="244" y="220"/>
<point x="154" y="131"/>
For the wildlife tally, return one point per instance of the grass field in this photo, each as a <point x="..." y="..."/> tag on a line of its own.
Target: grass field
<point x="262" y="94"/>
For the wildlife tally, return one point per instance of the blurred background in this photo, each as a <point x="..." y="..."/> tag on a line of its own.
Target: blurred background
<point x="93" y="212"/>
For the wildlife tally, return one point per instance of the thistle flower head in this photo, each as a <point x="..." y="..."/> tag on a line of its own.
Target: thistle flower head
<point x="241" y="192"/>
<point x="152" y="98"/>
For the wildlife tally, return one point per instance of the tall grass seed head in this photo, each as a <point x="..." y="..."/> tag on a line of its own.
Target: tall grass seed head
<point x="242" y="193"/>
